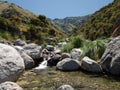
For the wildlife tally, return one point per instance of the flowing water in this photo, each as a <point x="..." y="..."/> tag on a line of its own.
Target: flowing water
<point x="78" y="80"/>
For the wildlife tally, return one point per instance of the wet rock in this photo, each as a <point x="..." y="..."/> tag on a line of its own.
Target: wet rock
<point x="68" y="64"/>
<point x="11" y="64"/>
<point x="76" y="53"/>
<point x="9" y="86"/>
<point x="110" y="60"/>
<point x="90" y="65"/>
<point x="54" y="60"/>
<point x="65" y="87"/>
<point x="42" y="68"/>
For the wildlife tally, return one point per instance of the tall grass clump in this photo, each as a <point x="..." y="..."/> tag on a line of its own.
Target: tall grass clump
<point x="76" y="42"/>
<point x="95" y="49"/>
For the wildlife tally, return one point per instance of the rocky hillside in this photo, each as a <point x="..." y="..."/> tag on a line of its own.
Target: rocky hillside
<point x="16" y="22"/>
<point x="102" y="23"/>
<point x="69" y="24"/>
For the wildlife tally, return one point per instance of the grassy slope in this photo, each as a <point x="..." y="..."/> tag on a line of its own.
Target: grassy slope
<point x="101" y="23"/>
<point x="16" y="22"/>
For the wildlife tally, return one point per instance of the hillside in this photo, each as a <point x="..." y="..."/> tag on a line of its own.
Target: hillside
<point x="68" y="24"/>
<point x="16" y="22"/>
<point x="102" y="23"/>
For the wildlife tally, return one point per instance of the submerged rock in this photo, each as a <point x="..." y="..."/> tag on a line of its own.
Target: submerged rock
<point x="68" y="64"/>
<point x="9" y="86"/>
<point x="65" y="87"/>
<point x="11" y="64"/>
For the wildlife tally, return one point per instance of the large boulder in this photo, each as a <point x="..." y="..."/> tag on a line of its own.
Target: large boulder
<point x="76" y="53"/>
<point x="29" y="62"/>
<point x="110" y="60"/>
<point x="90" y="65"/>
<point x="68" y="64"/>
<point x="11" y="64"/>
<point x="34" y="51"/>
<point x="65" y="87"/>
<point x="9" y="86"/>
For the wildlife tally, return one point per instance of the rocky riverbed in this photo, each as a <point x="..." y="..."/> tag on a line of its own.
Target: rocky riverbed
<point x="33" y="67"/>
<point x="78" y="80"/>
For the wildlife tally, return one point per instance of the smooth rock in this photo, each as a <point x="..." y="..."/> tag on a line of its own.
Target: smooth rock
<point x="90" y="65"/>
<point x="9" y="86"/>
<point x="11" y="64"/>
<point x="68" y="64"/>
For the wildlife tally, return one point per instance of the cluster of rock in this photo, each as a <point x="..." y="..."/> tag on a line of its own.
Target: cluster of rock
<point x="18" y="56"/>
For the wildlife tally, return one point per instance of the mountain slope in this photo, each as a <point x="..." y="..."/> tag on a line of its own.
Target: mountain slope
<point x="68" y="24"/>
<point x="102" y="22"/>
<point x="16" y="22"/>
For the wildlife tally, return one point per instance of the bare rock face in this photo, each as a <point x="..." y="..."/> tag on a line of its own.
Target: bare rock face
<point x="68" y="64"/>
<point x="110" y="60"/>
<point x="65" y="87"/>
<point x="11" y="64"/>
<point x="9" y="86"/>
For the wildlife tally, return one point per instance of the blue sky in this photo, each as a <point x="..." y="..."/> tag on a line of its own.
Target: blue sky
<point x="61" y="8"/>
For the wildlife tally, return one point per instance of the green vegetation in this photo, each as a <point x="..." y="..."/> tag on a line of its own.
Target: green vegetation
<point x="101" y="23"/>
<point x="69" y="24"/>
<point x="92" y="49"/>
<point x="16" y="22"/>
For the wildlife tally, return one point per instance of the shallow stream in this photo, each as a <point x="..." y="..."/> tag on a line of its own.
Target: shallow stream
<point x="51" y="79"/>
